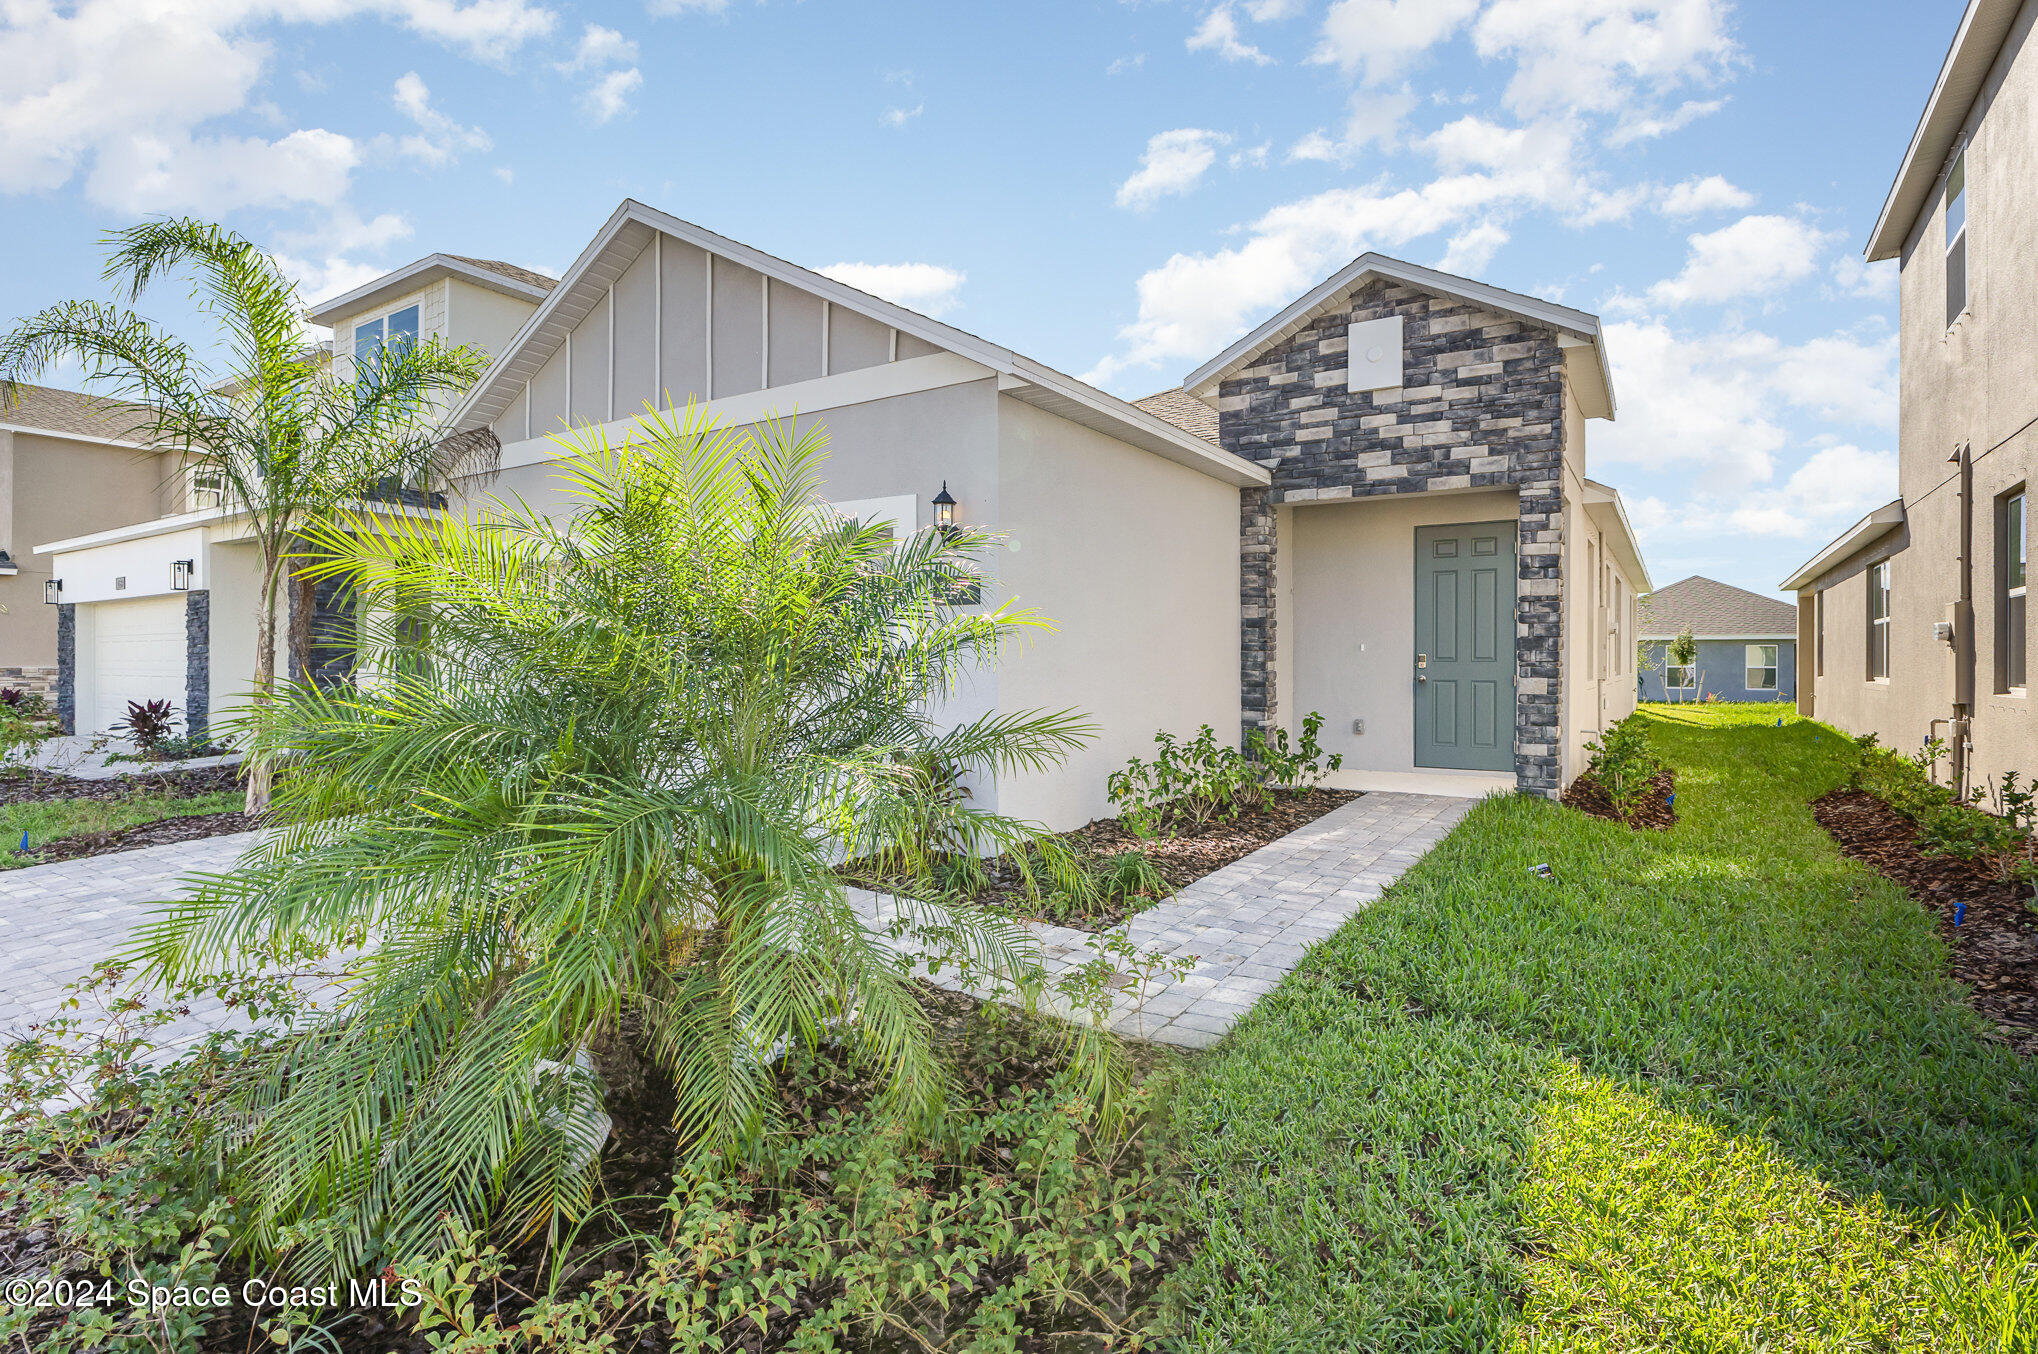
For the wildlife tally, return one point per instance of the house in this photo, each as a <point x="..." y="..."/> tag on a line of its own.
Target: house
<point x="1374" y="506"/>
<point x="69" y="463"/>
<point x="1912" y="623"/>
<point x="1747" y="643"/>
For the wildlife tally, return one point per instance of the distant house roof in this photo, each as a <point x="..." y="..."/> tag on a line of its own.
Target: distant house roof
<point x="1182" y="409"/>
<point x="511" y="271"/>
<point x="1710" y="609"/>
<point x="71" y="413"/>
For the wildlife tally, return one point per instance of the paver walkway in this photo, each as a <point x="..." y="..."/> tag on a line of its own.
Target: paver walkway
<point x="1240" y="929"/>
<point x="1244" y="927"/>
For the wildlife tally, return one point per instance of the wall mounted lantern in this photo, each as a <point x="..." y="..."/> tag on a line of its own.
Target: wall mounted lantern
<point x="52" y="591"/>
<point x="944" y="510"/>
<point x="180" y="574"/>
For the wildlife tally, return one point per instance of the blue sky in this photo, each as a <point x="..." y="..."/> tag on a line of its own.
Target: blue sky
<point x="1118" y="189"/>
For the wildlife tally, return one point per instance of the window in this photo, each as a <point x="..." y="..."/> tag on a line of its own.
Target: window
<point x="397" y="332"/>
<point x="205" y="487"/>
<point x="1956" y="239"/>
<point x="1761" y="659"/>
<point x="1878" y="622"/>
<point x="2013" y="530"/>
<point x="1678" y="678"/>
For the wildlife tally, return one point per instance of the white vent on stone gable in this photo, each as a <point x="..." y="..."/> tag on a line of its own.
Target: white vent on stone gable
<point x="1373" y="355"/>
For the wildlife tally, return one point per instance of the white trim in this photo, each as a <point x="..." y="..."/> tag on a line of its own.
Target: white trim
<point x="764" y="332"/>
<point x="183" y="521"/>
<point x="884" y="381"/>
<point x="527" y="409"/>
<point x="657" y="321"/>
<point x="1984" y="27"/>
<point x="708" y="384"/>
<point x="1202" y="382"/>
<point x="1603" y="503"/>
<point x="1721" y="639"/>
<point x="1878" y="523"/>
<point x="894" y="354"/>
<point x="78" y="437"/>
<point x="824" y="336"/>
<point x="612" y="352"/>
<point x="411" y="276"/>
<point x="569" y="378"/>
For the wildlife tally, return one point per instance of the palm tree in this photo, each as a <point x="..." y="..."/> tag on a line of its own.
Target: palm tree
<point x="600" y="769"/>
<point x="291" y="442"/>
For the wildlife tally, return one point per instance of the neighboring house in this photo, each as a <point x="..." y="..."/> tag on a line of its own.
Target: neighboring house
<point x="69" y="463"/>
<point x="165" y="607"/>
<point x="1747" y="643"/>
<point x="1405" y="541"/>
<point x="1913" y="622"/>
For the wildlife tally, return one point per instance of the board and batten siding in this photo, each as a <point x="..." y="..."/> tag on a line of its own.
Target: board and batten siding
<point x="680" y="323"/>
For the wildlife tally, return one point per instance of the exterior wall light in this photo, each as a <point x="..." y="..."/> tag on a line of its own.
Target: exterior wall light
<point x="944" y="510"/>
<point x="52" y="591"/>
<point x="180" y="574"/>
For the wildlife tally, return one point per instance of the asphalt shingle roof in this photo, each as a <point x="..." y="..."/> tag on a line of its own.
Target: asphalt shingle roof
<point x="1708" y="607"/>
<point x="511" y="271"/>
<point x="1182" y="409"/>
<point x="70" y="411"/>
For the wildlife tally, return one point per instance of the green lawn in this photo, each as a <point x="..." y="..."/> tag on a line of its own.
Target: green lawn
<point x="1706" y="1089"/>
<point x="50" y="819"/>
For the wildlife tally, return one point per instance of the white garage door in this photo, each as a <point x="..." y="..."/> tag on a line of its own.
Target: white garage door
<point x="138" y="655"/>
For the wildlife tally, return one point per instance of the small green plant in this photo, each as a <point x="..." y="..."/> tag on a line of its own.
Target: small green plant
<point x="1683" y="650"/>
<point x="147" y="726"/>
<point x="1993" y="826"/>
<point x="1623" y="765"/>
<point x="1302" y="767"/>
<point x="1192" y="783"/>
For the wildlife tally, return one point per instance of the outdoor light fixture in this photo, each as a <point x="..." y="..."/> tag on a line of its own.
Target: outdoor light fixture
<point x="180" y="574"/>
<point x="52" y="591"/>
<point x="944" y="510"/>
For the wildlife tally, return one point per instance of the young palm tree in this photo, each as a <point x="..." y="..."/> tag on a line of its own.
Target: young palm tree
<point x="291" y="442"/>
<point x="600" y="768"/>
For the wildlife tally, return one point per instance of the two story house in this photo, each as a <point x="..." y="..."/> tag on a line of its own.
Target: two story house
<point x="1912" y="624"/>
<point x="1375" y="505"/>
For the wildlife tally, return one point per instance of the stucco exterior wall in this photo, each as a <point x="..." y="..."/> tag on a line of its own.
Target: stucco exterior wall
<point x="1135" y="562"/>
<point x="1350" y="570"/>
<point x="63" y="488"/>
<point x="1722" y="671"/>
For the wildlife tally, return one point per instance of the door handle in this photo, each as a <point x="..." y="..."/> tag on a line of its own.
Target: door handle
<point x="1421" y="662"/>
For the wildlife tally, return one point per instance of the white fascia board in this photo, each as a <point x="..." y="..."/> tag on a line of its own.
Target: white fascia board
<point x="1202" y="382"/>
<point x="1976" y="44"/>
<point x="1879" y="523"/>
<point x="413" y="275"/>
<point x="78" y="437"/>
<point x="1603" y="502"/>
<point x="234" y="520"/>
<point x="512" y="368"/>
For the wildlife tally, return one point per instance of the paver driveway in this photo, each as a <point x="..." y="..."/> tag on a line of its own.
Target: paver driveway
<point x="1240" y="929"/>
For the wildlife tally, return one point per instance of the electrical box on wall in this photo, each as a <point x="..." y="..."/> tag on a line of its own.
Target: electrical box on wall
<point x="1373" y="355"/>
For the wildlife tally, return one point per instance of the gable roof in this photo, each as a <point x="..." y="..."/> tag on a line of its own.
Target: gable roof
<point x="1862" y="534"/>
<point x="493" y="274"/>
<point x="633" y="225"/>
<point x="71" y="413"/>
<point x="1711" y="609"/>
<point x="1183" y="410"/>
<point x="1578" y="332"/>
<point x="1976" y="44"/>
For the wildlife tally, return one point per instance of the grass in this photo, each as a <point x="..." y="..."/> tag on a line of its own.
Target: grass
<point x="1705" y="1089"/>
<point x="46" y="820"/>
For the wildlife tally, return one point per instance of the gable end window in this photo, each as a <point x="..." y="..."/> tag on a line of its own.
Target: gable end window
<point x="1956" y="239"/>
<point x="2012" y="533"/>
<point x="1761" y="662"/>
<point x="1878" y="622"/>
<point x="396" y="332"/>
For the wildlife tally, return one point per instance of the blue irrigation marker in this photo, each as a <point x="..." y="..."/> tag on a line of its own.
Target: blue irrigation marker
<point x="1959" y="913"/>
<point x="24" y="840"/>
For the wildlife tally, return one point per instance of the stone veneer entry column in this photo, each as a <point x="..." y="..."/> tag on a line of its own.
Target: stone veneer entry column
<point x="197" y="662"/>
<point x="67" y="667"/>
<point x="1481" y="406"/>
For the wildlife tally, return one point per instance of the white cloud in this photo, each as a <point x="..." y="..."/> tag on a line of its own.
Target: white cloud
<point x="1835" y="485"/>
<point x="1381" y="39"/>
<point x="1219" y="33"/>
<point x="1267" y="11"/>
<point x="1856" y="277"/>
<point x="438" y="138"/>
<point x="505" y="173"/>
<point x="1604" y="56"/>
<point x="1126" y="63"/>
<point x="899" y="117"/>
<point x="711" y="7"/>
<point x="1711" y="194"/>
<point x="122" y="94"/>
<point x="1648" y="126"/>
<point x="609" y="61"/>
<point x="926" y="287"/>
<point x="1757" y="255"/>
<point x="1471" y="251"/>
<point x="322" y="279"/>
<point x="1172" y="164"/>
<point x="1373" y="119"/>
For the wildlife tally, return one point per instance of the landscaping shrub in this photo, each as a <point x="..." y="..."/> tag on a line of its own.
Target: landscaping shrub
<point x="1190" y="784"/>
<point x="1622" y="764"/>
<point x="1998" y="836"/>
<point x="147" y="726"/>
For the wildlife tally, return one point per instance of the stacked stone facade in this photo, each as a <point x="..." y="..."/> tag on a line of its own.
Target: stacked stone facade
<point x="197" y="662"/>
<point x="1481" y="406"/>
<point x="67" y="667"/>
<point x="35" y="681"/>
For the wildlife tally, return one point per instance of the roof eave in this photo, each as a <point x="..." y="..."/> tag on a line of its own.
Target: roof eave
<point x="1976" y="44"/>
<point x="1607" y="499"/>
<point x="1873" y="527"/>
<point x="413" y="275"/>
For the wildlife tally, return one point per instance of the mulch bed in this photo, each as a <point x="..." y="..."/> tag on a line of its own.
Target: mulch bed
<point x="1995" y="948"/>
<point x="159" y="833"/>
<point x="1655" y="812"/>
<point x="1181" y="860"/>
<point x="42" y="787"/>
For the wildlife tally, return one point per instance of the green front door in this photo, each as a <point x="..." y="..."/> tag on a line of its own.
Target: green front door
<point x="1464" y="646"/>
